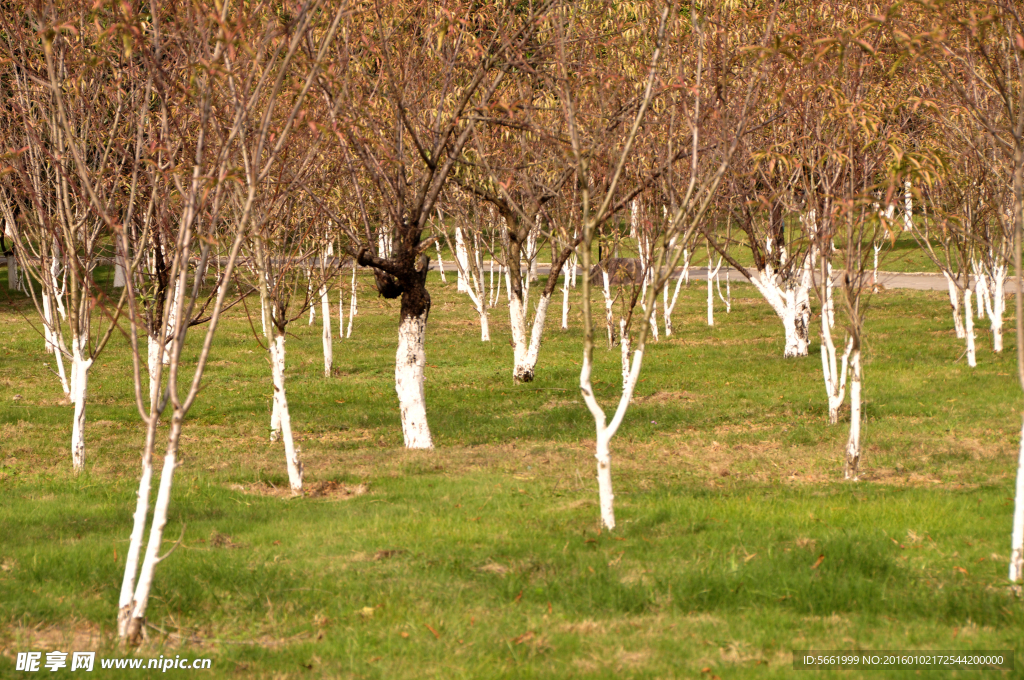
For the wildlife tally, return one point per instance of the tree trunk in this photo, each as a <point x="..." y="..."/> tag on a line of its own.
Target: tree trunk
<point x="1017" y="538"/>
<point x="604" y="478"/>
<point x="126" y="600"/>
<point x="135" y="628"/>
<point x="277" y="362"/>
<point x="325" y="312"/>
<point x="153" y="364"/>
<point x="972" y="359"/>
<point x="954" y="302"/>
<point x="852" y="466"/>
<point x="463" y="261"/>
<point x="79" y="388"/>
<point x="409" y="367"/>
<point x="352" y="311"/>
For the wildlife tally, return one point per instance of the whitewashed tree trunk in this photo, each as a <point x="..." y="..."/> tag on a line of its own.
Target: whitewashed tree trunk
<point x="153" y="355"/>
<point x="79" y="388"/>
<point x="994" y="301"/>
<point x="531" y="253"/>
<point x="852" y="466"/>
<point x="135" y="627"/>
<point x="829" y="306"/>
<point x="341" y="312"/>
<point x="525" y="353"/>
<point x="277" y="362"/>
<point x="711" y="291"/>
<point x="126" y="599"/>
<point x="608" y="302"/>
<point x="309" y="295"/>
<point x="668" y="307"/>
<point x="409" y="367"/>
<point x="954" y="302"/>
<point x="440" y="262"/>
<point x="908" y="207"/>
<point x="972" y="359"/>
<point x="352" y="310"/>
<point x="835" y="375"/>
<point x="1017" y="538"/>
<point x="325" y="313"/>
<point x="565" y="296"/>
<point x="463" y="260"/>
<point x="727" y="298"/>
<point x="792" y="307"/>
<point x="172" y="321"/>
<point x="624" y="351"/>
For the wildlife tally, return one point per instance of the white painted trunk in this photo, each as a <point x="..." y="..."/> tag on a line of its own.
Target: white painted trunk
<point x="835" y="377"/>
<point x="309" y="296"/>
<point x="624" y="352"/>
<point x="1017" y="538"/>
<point x="852" y="466"/>
<point x="352" y="311"/>
<point x="409" y="366"/>
<point x="972" y="359"/>
<point x="277" y="363"/>
<point x="908" y="207"/>
<point x="995" y="303"/>
<point x="440" y="262"/>
<point x="727" y="298"/>
<point x="135" y="628"/>
<point x="604" y="479"/>
<point x="325" y="313"/>
<point x="954" y="302"/>
<point x="608" y="302"/>
<point x="49" y="343"/>
<point x="58" y="291"/>
<point x="341" y="313"/>
<point x="79" y="388"/>
<point x="463" y="260"/>
<point x="125" y="602"/>
<point x="172" y="322"/>
<point x="153" y="365"/>
<point x="525" y="354"/>
<point x="829" y="311"/>
<point x="565" y="298"/>
<point x="791" y="304"/>
<point x="669" y="307"/>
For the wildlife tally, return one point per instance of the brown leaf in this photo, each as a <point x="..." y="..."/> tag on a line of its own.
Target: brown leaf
<point x="817" y="563"/>
<point x="431" y="629"/>
<point x="525" y="637"/>
<point x="962" y="571"/>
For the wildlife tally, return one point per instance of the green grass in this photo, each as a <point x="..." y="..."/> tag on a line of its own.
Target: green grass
<point x="483" y="558"/>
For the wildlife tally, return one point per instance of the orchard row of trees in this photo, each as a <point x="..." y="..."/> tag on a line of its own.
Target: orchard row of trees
<point x="217" y="152"/>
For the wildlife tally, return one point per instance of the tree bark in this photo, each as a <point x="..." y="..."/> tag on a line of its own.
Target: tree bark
<point x="852" y="466"/>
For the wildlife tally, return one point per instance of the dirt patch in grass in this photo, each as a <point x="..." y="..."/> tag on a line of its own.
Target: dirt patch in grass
<point x="330" y="489"/>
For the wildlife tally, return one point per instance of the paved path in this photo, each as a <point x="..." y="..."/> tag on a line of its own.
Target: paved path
<point x="890" y="280"/>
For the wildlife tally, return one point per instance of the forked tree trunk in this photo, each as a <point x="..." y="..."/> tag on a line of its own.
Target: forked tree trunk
<point x="126" y="600"/>
<point x="852" y="466"/>
<point x="835" y="375"/>
<point x="525" y="353"/>
<point x="410" y="361"/>
<point x="135" y="626"/>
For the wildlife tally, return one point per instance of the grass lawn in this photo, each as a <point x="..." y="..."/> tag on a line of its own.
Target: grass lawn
<point x="737" y="541"/>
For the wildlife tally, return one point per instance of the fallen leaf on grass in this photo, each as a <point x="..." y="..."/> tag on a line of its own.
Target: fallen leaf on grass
<point x="431" y="629"/>
<point x="962" y="570"/>
<point x="366" y="612"/>
<point x="525" y="637"/>
<point x="749" y="557"/>
<point x="817" y="563"/>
